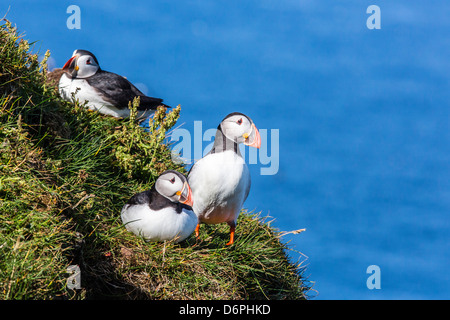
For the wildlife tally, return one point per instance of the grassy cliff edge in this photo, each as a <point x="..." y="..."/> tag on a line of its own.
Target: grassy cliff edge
<point x="65" y="174"/>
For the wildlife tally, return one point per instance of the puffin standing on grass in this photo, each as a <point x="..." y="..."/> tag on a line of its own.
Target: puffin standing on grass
<point x="220" y="181"/>
<point x="163" y="212"/>
<point x="106" y="92"/>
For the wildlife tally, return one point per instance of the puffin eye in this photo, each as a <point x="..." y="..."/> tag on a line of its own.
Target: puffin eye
<point x="172" y="180"/>
<point x="239" y="122"/>
<point x="88" y="61"/>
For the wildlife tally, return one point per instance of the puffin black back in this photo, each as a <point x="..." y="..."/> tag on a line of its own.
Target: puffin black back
<point x="119" y="91"/>
<point x="156" y="201"/>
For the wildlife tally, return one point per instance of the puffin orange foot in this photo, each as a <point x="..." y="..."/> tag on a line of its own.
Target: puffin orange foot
<point x="232" y="229"/>
<point x="197" y="228"/>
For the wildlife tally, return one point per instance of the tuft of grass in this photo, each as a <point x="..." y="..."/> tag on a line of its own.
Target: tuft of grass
<point x="65" y="174"/>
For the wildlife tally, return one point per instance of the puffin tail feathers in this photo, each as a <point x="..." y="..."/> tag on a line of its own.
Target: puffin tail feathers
<point x="151" y="103"/>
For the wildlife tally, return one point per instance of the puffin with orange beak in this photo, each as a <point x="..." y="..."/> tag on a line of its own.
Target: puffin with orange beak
<point x="105" y="92"/>
<point x="220" y="181"/>
<point x="163" y="212"/>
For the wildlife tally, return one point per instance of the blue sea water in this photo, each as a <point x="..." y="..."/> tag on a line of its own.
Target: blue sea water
<point x="363" y="117"/>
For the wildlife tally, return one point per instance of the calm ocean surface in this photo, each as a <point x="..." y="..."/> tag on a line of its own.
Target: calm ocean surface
<point x="363" y="117"/>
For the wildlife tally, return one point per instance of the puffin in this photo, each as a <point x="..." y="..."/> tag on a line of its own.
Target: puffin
<point x="164" y="212"/>
<point x="220" y="181"/>
<point x="106" y="92"/>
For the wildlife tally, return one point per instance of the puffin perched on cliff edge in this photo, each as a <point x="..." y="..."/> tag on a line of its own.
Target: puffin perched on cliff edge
<point x="164" y="212"/>
<point x="106" y="92"/>
<point x="220" y="181"/>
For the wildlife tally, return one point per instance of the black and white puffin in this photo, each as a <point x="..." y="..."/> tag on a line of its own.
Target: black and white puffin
<point x="220" y="181"/>
<point x="106" y="92"/>
<point x="164" y="212"/>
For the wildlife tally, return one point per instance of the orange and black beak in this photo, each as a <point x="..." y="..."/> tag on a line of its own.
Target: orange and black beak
<point x="186" y="195"/>
<point x="253" y="139"/>
<point x="69" y="66"/>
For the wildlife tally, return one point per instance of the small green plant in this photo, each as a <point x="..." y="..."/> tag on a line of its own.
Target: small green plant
<point x="143" y="154"/>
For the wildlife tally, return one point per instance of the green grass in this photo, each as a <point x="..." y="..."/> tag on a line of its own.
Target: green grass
<point x="65" y="174"/>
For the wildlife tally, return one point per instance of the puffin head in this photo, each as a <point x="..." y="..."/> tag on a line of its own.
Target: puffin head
<point x="82" y="64"/>
<point x="239" y="128"/>
<point x="174" y="186"/>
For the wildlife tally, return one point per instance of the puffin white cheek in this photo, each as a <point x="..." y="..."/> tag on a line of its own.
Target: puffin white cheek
<point x="233" y="133"/>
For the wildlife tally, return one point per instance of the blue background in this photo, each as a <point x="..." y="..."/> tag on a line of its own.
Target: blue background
<point x="363" y="116"/>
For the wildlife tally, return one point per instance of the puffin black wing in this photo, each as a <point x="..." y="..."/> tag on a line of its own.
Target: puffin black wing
<point x="156" y="201"/>
<point x="141" y="198"/>
<point x="119" y="91"/>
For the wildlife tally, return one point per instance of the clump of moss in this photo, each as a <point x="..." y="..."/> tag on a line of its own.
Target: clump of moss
<point x="65" y="174"/>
